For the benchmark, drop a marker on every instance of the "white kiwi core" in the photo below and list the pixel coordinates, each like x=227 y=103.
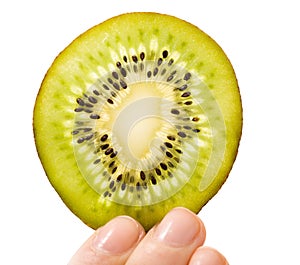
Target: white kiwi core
x=141 y=135
x=137 y=122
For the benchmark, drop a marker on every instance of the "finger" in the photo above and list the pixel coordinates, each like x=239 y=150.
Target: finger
x=207 y=256
x=172 y=241
x=111 y=244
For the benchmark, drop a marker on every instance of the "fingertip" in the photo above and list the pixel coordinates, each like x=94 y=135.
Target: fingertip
x=207 y=256
x=180 y=227
x=111 y=243
x=118 y=236
x=173 y=240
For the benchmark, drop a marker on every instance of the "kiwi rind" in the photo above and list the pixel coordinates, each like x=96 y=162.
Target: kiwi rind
x=54 y=143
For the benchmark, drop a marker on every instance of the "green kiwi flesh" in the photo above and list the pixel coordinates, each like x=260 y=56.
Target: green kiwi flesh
x=138 y=115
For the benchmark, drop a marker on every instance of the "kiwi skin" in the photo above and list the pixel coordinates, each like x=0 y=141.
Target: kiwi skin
x=62 y=170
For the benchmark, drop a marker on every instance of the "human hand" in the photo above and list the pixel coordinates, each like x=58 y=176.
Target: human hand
x=177 y=240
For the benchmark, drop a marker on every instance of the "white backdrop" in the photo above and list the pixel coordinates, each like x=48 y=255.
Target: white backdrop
x=254 y=219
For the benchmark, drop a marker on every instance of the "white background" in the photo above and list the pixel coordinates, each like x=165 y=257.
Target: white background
x=254 y=219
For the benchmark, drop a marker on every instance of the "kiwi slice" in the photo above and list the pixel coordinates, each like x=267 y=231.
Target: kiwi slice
x=138 y=115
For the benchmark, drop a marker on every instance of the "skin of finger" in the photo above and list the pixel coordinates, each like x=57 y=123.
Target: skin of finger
x=151 y=251
x=88 y=255
x=207 y=256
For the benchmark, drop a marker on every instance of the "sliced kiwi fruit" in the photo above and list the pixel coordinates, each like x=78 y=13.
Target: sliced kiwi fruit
x=138 y=115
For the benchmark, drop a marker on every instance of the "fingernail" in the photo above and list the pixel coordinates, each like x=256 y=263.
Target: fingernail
x=118 y=236
x=179 y=228
x=208 y=256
